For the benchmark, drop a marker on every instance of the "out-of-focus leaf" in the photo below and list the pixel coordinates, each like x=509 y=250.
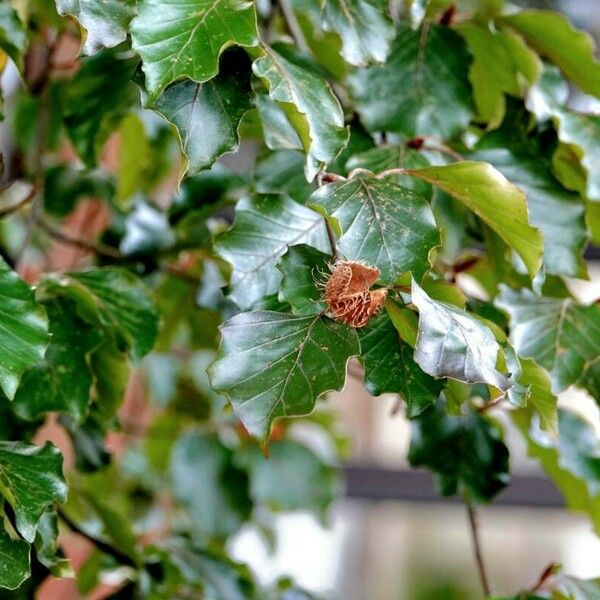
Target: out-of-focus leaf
x=280 y=172
x=13 y=37
x=276 y=365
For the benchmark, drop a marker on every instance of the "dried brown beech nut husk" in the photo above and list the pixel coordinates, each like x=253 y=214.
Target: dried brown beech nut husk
x=348 y=294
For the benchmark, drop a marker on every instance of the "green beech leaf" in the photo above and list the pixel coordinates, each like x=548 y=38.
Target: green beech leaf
x=14 y=561
x=13 y=38
x=97 y=98
x=502 y=64
x=570 y=460
x=380 y=159
x=279 y=482
x=114 y=299
x=559 y=334
x=47 y=550
x=280 y=172
x=310 y=106
x=552 y=35
x=556 y=212
x=465 y=452
x=105 y=21
x=582 y=133
x=24 y=331
x=365 y=31
x=62 y=381
x=390 y=367
x=31 y=481
x=422 y=89
x=541 y=397
x=453 y=343
x=263 y=229
x=273 y=365
x=213 y=489
x=497 y=201
x=278 y=132
x=178 y=40
x=207 y=115
x=381 y=223
x=303 y=268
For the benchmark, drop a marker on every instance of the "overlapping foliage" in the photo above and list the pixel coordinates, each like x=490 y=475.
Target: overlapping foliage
x=436 y=147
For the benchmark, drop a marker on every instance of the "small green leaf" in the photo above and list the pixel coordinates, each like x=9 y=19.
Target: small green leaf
x=541 y=397
x=559 y=334
x=273 y=365
x=453 y=343
x=390 y=367
x=365 y=31
x=303 y=268
x=310 y=106
x=13 y=37
x=422 y=89
x=207 y=115
x=498 y=202
x=177 y=40
x=24 y=331
x=31 y=481
x=263 y=229
x=106 y=21
x=280 y=172
x=465 y=452
x=551 y=34
x=14 y=561
x=47 y=550
x=381 y=223
x=213 y=489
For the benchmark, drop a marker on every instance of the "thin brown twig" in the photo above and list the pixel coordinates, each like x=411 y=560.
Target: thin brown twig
x=293 y=26
x=9 y=210
x=483 y=578
x=331 y=238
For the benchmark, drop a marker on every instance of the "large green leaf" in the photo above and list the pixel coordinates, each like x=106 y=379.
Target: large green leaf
x=556 y=212
x=13 y=38
x=502 y=64
x=498 y=202
x=381 y=223
x=559 y=334
x=14 y=561
x=96 y=100
x=263 y=229
x=280 y=172
x=310 y=106
x=23 y=331
x=106 y=21
x=554 y=37
x=62 y=381
x=465 y=452
x=453 y=343
x=390 y=367
x=207 y=115
x=422 y=89
x=364 y=29
x=213 y=489
x=582 y=133
x=178 y=39
x=31 y=481
x=276 y=365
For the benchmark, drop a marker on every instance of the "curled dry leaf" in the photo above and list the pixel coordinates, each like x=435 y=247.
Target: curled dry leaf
x=348 y=295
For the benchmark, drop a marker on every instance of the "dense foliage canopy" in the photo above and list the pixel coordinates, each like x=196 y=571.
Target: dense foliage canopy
x=412 y=189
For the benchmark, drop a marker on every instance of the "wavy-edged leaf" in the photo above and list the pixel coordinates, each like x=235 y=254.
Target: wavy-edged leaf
x=365 y=31
x=582 y=133
x=207 y=115
x=422 y=89
x=390 y=367
x=14 y=561
x=551 y=34
x=184 y=38
x=494 y=199
x=105 y=21
x=465 y=452
x=559 y=334
x=62 y=381
x=23 y=331
x=273 y=365
x=556 y=212
x=453 y=343
x=310 y=106
x=31 y=481
x=381 y=223
x=263 y=229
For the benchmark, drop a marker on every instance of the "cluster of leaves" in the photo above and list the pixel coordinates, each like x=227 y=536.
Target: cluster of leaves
x=438 y=148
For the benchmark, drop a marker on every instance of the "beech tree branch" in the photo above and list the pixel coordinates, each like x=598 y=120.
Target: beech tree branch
x=483 y=578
